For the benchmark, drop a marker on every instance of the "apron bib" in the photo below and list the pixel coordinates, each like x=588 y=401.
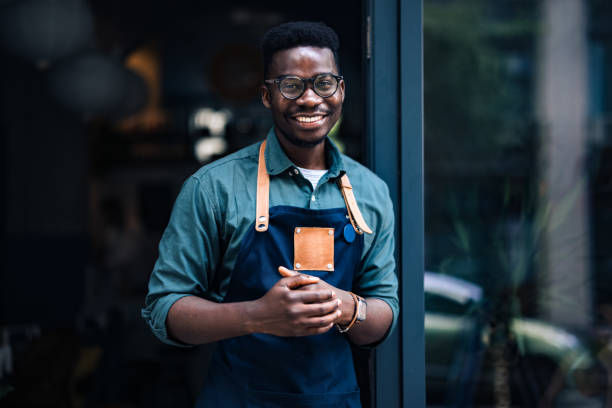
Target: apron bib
x=261 y=370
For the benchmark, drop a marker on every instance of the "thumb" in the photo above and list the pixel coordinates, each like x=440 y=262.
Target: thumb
x=295 y=281
x=286 y=272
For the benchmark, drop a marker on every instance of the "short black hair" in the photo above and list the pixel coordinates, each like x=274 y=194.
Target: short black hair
x=298 y=34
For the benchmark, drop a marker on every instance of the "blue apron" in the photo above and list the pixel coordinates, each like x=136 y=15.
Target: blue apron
x=262 y=370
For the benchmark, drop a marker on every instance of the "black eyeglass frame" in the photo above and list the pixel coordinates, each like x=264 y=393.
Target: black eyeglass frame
x=312 y=80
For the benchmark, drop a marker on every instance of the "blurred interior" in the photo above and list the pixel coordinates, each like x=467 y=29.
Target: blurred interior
x=107 y=107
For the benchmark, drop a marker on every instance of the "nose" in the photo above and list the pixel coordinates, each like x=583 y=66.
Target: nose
x=309 y=97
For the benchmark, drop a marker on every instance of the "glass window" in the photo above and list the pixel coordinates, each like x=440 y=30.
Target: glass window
x=518 y=200
x=441 y=304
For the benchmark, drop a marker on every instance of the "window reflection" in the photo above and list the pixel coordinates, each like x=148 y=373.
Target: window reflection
x=517 y=104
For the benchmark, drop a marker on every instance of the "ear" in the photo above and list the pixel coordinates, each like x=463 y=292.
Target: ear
x=342 y=89
x=265 y=96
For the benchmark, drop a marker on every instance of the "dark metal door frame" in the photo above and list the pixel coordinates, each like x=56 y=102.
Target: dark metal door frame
x=393 y=66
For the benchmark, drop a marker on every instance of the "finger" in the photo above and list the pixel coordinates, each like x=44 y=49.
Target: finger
x=302 y=312
x=311 y=331
x=322 y=309
x=286 y=272
x=322 y=321
x=299 y=280
x=304 y=296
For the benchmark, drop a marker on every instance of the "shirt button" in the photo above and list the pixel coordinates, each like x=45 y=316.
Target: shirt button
x=312 y=198
x=295 y=171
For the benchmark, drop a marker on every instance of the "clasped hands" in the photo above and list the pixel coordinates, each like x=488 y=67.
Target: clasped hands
x=301 y=305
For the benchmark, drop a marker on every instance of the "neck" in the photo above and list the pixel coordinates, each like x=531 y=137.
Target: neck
x=307 y=157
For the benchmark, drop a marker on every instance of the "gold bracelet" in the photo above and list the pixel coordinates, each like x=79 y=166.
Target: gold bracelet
x=347 y=328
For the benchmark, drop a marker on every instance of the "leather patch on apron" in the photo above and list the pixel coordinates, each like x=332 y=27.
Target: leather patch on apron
x=313 y=249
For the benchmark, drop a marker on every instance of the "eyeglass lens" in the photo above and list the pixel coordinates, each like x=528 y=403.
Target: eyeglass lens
x=324 y=85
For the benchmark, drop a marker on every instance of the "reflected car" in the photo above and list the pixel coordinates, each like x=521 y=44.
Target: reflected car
x=544 y=363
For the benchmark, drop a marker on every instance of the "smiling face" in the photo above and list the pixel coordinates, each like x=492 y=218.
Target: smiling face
x=304 y=121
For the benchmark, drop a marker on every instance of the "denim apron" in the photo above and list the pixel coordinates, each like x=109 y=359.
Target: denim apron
x=262 y=370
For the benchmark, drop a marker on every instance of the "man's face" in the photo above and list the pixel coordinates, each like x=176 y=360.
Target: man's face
x=304 y=121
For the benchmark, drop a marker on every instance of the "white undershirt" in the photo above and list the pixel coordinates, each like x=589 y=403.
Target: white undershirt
x=312 y=175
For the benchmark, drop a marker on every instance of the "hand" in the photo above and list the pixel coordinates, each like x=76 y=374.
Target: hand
x=380 y=315
x=347 y=306
x=284 y=311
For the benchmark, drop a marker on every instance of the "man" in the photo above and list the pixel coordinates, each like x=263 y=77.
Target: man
x=268 y=252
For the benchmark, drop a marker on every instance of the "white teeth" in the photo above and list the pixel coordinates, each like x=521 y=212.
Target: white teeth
x=308 y=119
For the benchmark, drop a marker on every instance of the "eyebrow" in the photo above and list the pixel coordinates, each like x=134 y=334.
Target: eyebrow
x=301 y=76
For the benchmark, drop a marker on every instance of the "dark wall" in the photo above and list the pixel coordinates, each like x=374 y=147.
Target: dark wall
x=44 y=210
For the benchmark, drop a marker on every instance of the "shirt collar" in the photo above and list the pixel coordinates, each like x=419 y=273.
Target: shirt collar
x=277 y=161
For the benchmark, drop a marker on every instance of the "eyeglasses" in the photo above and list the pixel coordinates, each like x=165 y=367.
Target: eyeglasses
x=292 y=87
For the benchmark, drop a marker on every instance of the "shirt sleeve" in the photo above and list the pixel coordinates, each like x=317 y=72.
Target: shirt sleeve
x=188 y=252
x=377 y=277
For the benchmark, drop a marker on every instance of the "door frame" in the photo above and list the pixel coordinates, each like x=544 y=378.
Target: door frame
x=393 y=77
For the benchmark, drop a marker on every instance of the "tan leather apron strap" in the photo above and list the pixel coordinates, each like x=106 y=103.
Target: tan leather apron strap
x=263 y=192
x=263 y=197
x=351 y=204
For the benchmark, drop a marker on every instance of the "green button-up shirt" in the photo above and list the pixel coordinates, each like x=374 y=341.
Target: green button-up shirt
x=216 y=208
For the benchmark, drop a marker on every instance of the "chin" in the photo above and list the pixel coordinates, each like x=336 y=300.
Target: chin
x=304 y=141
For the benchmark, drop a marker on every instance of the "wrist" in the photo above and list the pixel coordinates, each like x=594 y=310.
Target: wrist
x=347 y=307
x=354 y=316
x=250 y=321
